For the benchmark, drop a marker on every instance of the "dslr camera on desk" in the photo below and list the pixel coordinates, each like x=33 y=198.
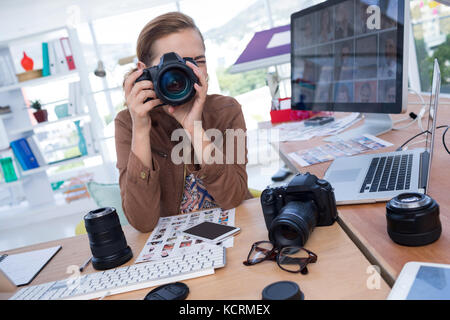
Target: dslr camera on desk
x=292 y=212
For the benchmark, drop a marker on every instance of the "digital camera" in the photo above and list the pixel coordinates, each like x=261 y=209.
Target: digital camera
x=173 y=80
x=292 y=212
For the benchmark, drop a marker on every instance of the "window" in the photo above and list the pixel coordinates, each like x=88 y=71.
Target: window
x=116 y=37
x=282 y=9
x=431 y=29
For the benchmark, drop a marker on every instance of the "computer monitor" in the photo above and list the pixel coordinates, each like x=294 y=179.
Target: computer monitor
x=351 y=56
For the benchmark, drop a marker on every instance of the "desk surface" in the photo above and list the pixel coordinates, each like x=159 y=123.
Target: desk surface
x=340 y=272
x=366 y=224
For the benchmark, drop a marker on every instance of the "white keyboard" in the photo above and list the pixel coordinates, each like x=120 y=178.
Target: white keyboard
x=124 y=279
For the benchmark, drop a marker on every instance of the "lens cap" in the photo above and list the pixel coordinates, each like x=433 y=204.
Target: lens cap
x=170 y=291
x=283 y=290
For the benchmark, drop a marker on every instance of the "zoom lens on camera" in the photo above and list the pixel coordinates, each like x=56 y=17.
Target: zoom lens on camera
x=173 y=80
x=106 y=239
x=292 y=212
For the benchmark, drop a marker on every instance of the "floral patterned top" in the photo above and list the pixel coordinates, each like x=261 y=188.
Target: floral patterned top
x=195 y=196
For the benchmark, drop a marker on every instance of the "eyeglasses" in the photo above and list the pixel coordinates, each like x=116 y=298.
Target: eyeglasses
x=291 y=259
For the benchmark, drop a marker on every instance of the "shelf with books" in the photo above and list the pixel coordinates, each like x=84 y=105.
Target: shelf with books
x=5 y=116
x=59 y=163
x=10 y=184
x=58 y=54
x=47 y=123
x=69 y=75
x=56 y=175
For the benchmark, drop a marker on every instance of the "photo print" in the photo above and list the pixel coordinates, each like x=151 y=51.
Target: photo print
x=366 y=91
x=167 y=241
x=344 y=19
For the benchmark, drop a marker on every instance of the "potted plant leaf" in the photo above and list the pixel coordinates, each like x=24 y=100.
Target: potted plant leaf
x=41 y=115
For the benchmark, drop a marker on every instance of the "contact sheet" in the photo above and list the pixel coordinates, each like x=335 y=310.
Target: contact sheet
x=167 y=240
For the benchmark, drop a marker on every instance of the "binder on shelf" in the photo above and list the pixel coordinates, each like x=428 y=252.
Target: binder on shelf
x=4 y=143
x=24 y=155
x=75 y=99
x=6 y=78
x=61 y=62
x=11 y=70
x=89 y=139
x=67 y=50
x=45 y=60
x=34 y=146
x=9 y=173
x=71 y=100
x=3 y=73
x=52 y=58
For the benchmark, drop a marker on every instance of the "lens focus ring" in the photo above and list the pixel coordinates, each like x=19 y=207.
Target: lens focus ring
x=106 y=239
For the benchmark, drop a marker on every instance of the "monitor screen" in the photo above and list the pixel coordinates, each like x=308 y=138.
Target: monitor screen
x=347 y=55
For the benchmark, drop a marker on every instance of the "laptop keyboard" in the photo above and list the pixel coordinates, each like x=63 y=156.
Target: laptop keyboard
x=388 y=174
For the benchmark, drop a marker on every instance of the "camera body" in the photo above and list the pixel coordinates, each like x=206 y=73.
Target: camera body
x=292 y=212
x=173 y=80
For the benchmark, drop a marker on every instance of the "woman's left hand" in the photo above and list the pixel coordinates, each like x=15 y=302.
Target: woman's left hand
x=186 y=114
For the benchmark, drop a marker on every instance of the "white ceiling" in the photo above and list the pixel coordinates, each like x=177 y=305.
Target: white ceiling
x=23 y=17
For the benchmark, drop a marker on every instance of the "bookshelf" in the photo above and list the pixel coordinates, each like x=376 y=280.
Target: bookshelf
x=71 y=75
x=35 y=184
x=64 y=162
x=48 y=123
x=11 y=184
x=6 y=116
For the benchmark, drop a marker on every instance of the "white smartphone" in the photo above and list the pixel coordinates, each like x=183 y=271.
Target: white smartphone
x=211 y=232
x=422 y=281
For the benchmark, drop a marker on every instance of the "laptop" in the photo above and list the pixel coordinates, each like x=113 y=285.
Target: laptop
x=380 y=177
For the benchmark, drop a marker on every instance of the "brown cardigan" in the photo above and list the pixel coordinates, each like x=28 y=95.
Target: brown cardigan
x=150 y=193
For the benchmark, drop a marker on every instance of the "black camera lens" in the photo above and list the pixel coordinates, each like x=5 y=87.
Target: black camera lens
x=413 y=219
x=106 y=239
x=294 y=224
x=288 y=232
x=173 y=80
x=174 y=84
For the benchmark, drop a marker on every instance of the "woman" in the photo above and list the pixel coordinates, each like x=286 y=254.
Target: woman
x=326 y=33
x=151 y=184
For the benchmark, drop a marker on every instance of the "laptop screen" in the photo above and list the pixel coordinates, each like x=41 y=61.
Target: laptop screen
x=432 y=115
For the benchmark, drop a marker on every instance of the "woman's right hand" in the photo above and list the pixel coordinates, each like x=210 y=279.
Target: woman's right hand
x=135 y=95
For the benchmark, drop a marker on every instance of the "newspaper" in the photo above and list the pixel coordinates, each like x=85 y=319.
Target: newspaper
x=343 y=148
x=166 y=240
x=297 y=131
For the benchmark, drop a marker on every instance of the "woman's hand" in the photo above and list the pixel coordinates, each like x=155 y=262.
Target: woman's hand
x=191 y=111
x=135 y=95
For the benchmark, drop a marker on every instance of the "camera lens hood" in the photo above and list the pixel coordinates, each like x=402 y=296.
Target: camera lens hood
x=413 y=219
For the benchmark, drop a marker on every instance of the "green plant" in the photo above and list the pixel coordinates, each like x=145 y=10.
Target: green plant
x=36 y=105
x=442 y=54
x=239 y=83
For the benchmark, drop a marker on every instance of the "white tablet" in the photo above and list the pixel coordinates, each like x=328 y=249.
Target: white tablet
x=422 y=281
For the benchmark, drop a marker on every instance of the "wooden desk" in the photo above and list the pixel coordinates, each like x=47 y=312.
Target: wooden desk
x=366 y=224
x=340 y=272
